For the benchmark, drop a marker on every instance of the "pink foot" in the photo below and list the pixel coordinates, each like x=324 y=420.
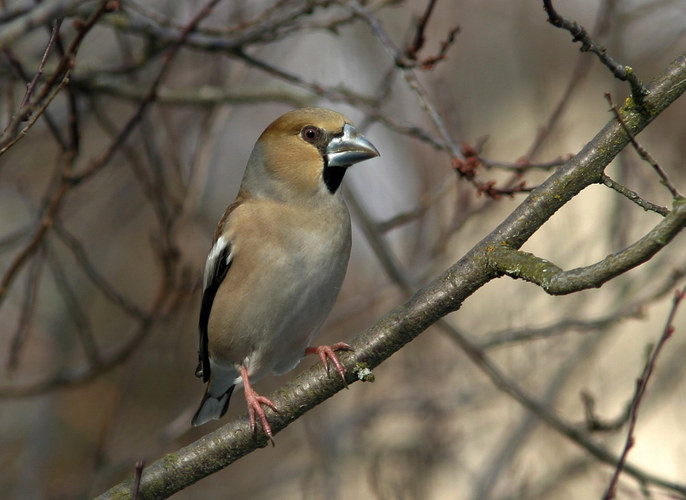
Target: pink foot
x=255 y=402
x=328 y=353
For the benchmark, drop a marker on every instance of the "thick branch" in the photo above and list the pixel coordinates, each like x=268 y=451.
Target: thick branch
x=442 y=296
x=556 y=281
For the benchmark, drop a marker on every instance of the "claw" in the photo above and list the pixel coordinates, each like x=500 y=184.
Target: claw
x=255 y=402
x=328 y=353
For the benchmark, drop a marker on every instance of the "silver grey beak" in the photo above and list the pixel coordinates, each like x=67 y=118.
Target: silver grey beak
x=350 y=148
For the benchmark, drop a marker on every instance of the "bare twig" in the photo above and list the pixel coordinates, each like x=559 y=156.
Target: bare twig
x=54 y=200
x=579 y=34
x=24 y=77
x=10 y=141
x=641 y=385
x=75 y=310
x=28 y=307
x=81 y=257
x=578 y=75
x=633 y=196
x=410 y=78
x=419 y=38
x=458 y=156
x=645 y=155
x=56 y=81
x=37 y=16
x=32 y=85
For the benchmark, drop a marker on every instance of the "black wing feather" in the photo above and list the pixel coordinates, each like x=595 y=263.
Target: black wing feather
x=212 y=282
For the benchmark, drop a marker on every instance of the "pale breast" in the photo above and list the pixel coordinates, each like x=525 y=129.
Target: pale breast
x=289 y=264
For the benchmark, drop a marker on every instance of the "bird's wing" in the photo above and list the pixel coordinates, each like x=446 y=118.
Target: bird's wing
x=216 y=267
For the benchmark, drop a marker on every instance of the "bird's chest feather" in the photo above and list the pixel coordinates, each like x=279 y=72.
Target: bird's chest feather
x=298 y=261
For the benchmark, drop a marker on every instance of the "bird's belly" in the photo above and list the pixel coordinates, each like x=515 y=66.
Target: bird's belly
x=271 y=334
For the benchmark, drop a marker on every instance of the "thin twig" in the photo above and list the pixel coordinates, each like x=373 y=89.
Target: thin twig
x=73 y=121
x=27 y=310
x=24 y=77
x=419 y=38
x=34 y=117
x=642 y=152
x=410 y=78
x=32 y=85
x=75 y=309
x=641 y=385
x=56 y=81
x=82 y=259
x=579 y=74
x=579 y=34
x=412 y=52
x=633 y=196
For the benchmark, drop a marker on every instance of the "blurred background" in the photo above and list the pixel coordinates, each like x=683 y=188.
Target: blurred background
x=109 y=202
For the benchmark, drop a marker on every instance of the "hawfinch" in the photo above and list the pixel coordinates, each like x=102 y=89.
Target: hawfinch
x=279 y=256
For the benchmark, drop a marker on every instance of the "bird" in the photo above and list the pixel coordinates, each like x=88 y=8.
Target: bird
x=278 y=259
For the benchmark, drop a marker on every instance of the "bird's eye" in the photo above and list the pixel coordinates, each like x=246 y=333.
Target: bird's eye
x=311 y=134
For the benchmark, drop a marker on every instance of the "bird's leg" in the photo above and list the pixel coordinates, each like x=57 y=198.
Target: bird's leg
x=328 y=352
x=255 y=402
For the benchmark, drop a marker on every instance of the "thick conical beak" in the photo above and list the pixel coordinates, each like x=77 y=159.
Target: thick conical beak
x=350 y=148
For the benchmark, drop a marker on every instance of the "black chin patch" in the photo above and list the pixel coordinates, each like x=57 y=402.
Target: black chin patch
x=333 y=176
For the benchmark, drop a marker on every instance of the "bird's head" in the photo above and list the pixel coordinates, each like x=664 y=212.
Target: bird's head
x=305 y=152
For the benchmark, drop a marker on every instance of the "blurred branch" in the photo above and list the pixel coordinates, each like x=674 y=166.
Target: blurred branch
x=464 y=160
x=549 y=417
x=53 y=84
x=412 y=52
x=76 y=312
x=81 y=257
x=149 y=98
x=272 y=24
x=53 y=199
x=628 y=311
x=31 y=87
x=28 y=307
x=197 y=96
x=342 y=94
x=11 y=136
x=442 y=296
x=37 y=16
x=106 y=361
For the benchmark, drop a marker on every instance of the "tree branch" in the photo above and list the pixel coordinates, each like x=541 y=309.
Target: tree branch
x=641 y=385
x=556 y=281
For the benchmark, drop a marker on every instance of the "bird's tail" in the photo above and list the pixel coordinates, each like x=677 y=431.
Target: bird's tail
x=212 y=406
